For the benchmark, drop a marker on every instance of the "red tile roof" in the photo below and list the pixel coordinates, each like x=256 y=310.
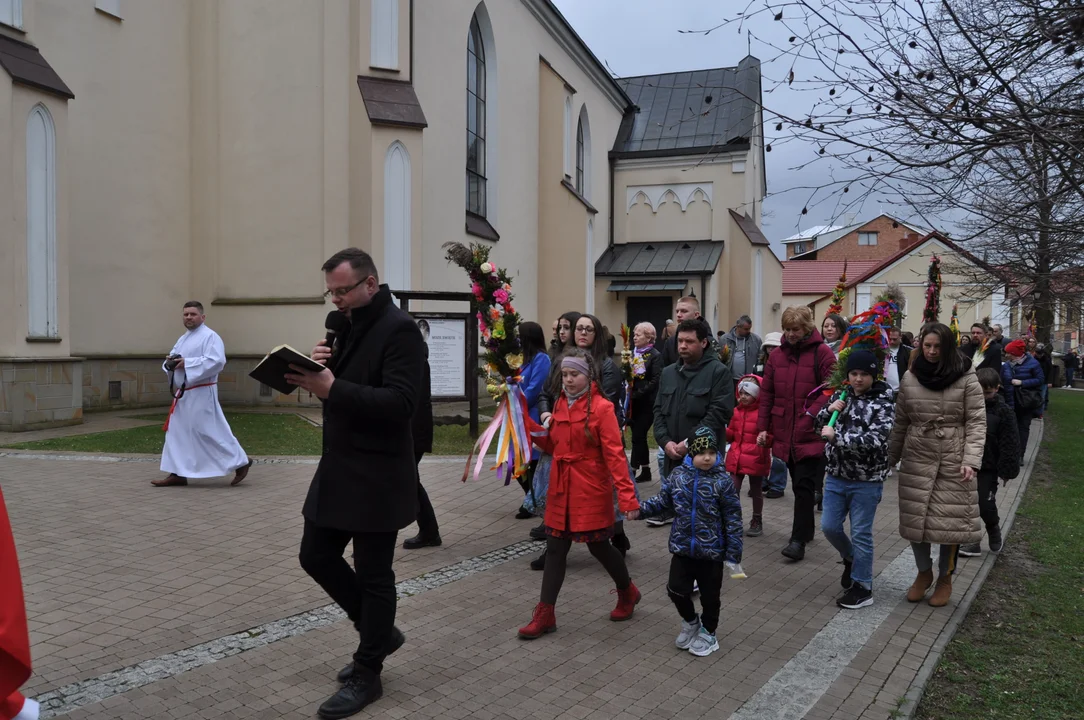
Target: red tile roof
x=809 y=277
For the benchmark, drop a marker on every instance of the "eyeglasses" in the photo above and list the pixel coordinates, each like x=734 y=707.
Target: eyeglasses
x=585 y=330
x=343 y=292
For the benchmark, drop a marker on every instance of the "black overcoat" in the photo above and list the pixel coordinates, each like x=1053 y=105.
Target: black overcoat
x=366 y=480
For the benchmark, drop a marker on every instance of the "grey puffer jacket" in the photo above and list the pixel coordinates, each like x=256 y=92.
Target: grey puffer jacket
x=937 y=434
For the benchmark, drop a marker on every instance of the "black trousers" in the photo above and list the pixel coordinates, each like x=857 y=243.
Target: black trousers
x=427 y=518
x=553 y=576
x=805 y=476
x=366 y=593
x=988 y=501
x=1023 y=425
x=642 y=417
x=708 y=575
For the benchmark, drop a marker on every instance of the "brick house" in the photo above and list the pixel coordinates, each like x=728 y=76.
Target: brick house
x=876 y=239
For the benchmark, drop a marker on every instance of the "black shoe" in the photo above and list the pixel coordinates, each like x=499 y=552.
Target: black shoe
x=394 y=643
x=645 y=474
x=539 y=533
x=846 y=581
x=621 y=542
x=361 y=689
x=818 y=498
x=794 y=550
x=970 y=550
x=995 y=540
x=857 y=597
x=539 y=563
x=523 y=514
x=773 y=494
x=420 y=541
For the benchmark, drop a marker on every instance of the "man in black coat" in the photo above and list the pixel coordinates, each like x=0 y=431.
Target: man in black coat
x=365 y=489
x=421 y=427
x=992 y=358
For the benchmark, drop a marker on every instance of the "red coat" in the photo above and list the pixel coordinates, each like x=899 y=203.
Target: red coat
x=583 y=475
x=745 y=457
x=14 y=638
x=788 y=402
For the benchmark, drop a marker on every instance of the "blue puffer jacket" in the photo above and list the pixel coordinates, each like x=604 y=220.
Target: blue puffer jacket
x=1028 y=372
x=707 y=512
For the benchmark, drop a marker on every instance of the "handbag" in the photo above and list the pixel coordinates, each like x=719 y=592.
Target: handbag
x=1027 y=398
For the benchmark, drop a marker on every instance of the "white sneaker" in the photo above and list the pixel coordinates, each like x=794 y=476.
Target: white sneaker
x=703 y=644
x=689 y=631
x=656 y=522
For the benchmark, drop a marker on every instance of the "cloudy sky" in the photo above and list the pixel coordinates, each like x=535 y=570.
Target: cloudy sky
x=640 y=37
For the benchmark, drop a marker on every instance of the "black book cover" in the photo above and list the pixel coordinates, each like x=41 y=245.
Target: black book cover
x=271 y=371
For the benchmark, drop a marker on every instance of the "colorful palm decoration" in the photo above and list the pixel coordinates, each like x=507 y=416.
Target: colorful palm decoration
x=933 y=291
x=839 y=294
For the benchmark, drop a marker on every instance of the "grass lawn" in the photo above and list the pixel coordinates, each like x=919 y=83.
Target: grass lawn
x=258 y=433
x=1020 y=651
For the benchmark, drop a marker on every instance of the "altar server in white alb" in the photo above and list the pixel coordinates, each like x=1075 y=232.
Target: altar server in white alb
x=199 y=442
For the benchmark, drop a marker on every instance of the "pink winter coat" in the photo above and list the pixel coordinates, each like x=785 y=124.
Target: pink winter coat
x=788 y=402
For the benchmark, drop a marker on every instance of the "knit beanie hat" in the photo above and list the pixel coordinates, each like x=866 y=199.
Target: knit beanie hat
x=862 y=360
x=750 y=386
x=703 y=440
x=1016 y=348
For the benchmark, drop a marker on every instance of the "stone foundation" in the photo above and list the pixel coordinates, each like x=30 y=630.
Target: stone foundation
x=38 y=393
x=142 y=383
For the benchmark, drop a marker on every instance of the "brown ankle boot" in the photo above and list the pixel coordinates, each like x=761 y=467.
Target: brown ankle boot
x=942 y=592
x=919 y=587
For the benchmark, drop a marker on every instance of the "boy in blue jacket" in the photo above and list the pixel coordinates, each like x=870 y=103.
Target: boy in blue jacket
x=707 y=532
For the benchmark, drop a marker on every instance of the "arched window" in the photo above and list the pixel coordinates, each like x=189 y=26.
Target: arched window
x=41 y=224
x=579 y=157
x=583 y=154
x=476 y=120
x=397 y=217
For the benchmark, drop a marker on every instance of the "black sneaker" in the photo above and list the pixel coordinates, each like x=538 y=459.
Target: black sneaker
x=971 y=550
x=773 y=494
x=856 y=597
x=818 y=498
x=794 y=550
x=539 y=532
x=846 y=581
x=996 y=543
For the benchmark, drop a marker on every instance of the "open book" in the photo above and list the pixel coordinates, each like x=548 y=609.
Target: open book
x=272 y=369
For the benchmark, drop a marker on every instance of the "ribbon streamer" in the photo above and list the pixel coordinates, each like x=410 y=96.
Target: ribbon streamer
x=509 y=428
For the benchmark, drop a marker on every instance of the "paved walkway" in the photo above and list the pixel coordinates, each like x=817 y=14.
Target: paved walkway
x=189 y=603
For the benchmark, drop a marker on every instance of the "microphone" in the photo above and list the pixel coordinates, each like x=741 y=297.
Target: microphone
x=336 y=325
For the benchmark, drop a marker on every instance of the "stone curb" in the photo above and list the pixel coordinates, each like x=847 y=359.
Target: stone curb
x=914 y=693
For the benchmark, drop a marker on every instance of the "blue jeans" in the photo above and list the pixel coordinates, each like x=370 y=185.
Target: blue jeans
x=777 y=480
x=859 y=500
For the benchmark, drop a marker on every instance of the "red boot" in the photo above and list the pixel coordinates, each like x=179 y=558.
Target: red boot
x=542 y=622
x=626 y=602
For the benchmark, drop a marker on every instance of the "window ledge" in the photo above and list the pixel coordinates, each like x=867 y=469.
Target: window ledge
x=572 y=189
x=109 y=15
x=13 y=28
x=39 y=339
x=480 y=227
x=377 y=68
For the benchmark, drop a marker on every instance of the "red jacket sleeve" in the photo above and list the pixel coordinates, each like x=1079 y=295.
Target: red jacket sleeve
x=14 y=636
x=539 y=435
x=613 y=453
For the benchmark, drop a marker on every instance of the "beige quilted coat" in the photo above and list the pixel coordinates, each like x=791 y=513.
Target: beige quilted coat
x=935 y=435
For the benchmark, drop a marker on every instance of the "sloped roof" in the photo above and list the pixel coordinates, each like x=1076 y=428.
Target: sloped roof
x=809 y=277
x=749 y=227
x=810 y=233
x=687 y=113
x=674 y=257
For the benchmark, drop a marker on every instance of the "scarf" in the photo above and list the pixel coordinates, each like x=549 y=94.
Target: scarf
x=931 y=376
x=640 y=351
x=573 y=398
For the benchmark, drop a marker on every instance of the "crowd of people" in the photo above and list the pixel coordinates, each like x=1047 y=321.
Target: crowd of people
x=726 y=411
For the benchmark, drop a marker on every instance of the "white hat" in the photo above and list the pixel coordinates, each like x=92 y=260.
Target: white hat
x=773 y=339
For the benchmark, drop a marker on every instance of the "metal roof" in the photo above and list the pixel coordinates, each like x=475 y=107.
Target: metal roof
x=812 y=277
x=644 y=285
x=689 y=112
x=673 y=257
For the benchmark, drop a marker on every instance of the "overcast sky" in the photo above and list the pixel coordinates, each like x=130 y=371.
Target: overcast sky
x=640 y=37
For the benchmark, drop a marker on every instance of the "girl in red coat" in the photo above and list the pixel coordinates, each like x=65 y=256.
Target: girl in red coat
x=588 y=462
x=14 y=638
x=746 y=456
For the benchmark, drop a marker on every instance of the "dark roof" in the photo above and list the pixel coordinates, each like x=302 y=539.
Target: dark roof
x=646 y=285
x=391 y=102
x=692 y=112
x=673 y=257
x=27 y=67
x=749 y=227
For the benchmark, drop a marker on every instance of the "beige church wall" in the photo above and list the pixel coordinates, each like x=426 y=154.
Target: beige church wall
x=15 y=323
x=127 y=148
x=514 y=177
x=771 y=310
x=640 y=224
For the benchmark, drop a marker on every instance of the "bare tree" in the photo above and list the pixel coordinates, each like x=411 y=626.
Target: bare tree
x=968 y=112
